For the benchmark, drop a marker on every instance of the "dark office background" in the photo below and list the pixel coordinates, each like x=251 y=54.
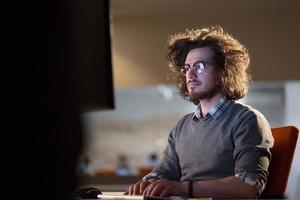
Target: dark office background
x=47 y=58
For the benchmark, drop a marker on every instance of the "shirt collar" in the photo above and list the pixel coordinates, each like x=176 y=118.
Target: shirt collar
x=215 y=111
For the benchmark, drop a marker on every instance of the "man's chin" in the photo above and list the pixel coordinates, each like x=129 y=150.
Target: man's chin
x=195 y=97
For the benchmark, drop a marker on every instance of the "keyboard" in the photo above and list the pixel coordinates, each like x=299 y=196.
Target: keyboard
x=131 y=197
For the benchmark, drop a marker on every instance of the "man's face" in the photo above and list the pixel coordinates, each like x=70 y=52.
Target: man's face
x=201 y=77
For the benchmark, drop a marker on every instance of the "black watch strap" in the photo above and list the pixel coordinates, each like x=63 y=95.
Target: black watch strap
x=190 y=188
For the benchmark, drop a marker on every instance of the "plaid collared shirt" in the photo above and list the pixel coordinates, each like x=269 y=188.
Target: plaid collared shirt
x=215 y=111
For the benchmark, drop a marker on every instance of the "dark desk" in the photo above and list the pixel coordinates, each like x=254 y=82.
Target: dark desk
x=109 y=183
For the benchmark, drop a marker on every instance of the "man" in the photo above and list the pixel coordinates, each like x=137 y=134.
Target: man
x=222 y=149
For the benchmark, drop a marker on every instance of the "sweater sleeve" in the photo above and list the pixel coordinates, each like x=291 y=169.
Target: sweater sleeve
x=252 y=140
x=168 y=166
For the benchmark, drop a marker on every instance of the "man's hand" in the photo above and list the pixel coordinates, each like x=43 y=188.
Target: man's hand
x=139 y=187
x=164 y=187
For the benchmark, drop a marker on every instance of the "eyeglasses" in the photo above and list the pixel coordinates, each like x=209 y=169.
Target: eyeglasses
x=198 y=66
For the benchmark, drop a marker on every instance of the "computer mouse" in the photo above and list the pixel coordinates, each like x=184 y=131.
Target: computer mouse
x=87 y=193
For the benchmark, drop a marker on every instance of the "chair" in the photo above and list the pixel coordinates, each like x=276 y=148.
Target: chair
x=285 y=140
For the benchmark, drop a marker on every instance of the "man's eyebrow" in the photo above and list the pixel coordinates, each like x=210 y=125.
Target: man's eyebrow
x=201 y=60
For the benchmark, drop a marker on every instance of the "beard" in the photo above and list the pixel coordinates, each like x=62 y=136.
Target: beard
x=197 y=96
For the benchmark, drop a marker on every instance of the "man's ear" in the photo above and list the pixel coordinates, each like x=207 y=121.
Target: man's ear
x=221 y=83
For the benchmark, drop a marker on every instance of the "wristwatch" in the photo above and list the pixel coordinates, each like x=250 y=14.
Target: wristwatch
x=152 y=175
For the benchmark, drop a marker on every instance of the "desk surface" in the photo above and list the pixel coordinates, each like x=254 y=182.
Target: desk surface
x=117 y=194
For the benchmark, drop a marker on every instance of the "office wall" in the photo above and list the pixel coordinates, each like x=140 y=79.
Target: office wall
x=292 y=116
x=269 y=29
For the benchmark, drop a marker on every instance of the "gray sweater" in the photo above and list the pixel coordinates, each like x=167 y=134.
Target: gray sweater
x=235 y=142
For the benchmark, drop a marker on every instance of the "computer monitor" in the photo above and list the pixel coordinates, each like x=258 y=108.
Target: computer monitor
x=93 y=55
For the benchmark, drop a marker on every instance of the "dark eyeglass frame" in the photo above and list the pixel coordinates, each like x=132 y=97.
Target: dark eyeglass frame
x=199 y=66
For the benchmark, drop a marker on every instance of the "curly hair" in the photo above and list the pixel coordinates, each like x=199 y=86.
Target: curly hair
x=231 y=59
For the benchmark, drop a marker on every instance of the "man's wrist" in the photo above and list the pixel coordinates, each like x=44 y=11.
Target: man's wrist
x=152 y=175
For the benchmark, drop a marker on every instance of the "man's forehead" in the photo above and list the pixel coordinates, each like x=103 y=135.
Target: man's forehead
x=200 y=53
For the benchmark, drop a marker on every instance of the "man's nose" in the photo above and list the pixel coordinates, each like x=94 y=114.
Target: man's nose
x=192 y=73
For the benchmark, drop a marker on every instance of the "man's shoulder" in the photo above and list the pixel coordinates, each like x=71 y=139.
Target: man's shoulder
x=248 y=113
x=184 y=121
x=187 y=116
x=244 y=108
